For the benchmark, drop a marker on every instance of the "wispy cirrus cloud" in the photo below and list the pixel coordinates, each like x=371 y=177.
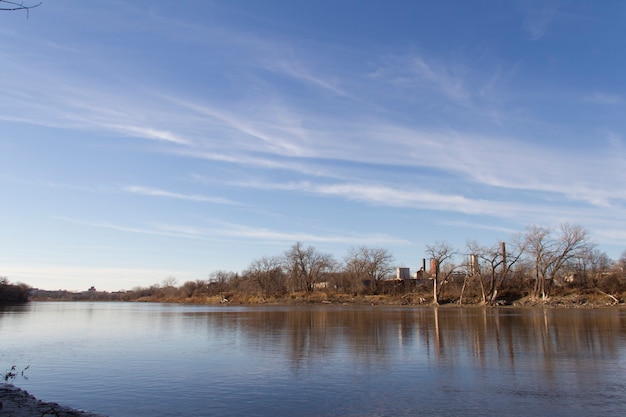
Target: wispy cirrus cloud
x=415 y=71
x=53 y=102
x=226 y=230
x=488 y=161
x=264 y=234
x=157 y=192
x=451 y=86
x=605 y=98
x=402 y=197
x=514 y=164
x=300 y=72
x=479 y=226
x=550 y=208
x=538 y=21
x=610 y=235
x=270 y=162
x=148 y=132
x=274 y=135
x=177 y=232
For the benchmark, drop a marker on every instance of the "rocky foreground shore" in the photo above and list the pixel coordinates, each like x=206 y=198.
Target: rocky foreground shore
x=15 y=402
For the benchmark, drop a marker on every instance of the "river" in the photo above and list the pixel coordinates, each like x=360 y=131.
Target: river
x=132 y=359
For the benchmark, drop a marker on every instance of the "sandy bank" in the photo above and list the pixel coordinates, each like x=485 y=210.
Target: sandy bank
x=15 y=402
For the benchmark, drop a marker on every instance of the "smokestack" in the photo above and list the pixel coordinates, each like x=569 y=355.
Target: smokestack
x=433 y=266
x=473 y=264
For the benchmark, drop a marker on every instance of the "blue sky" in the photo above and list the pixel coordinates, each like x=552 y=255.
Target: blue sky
x=147 y=139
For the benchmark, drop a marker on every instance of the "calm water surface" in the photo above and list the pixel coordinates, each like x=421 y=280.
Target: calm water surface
x=127 y=360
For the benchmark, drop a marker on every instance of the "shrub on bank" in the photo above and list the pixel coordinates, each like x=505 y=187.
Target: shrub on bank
x=13 y=293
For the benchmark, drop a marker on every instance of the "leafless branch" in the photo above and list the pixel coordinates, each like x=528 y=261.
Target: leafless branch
x=608 y=295
x=13 y=5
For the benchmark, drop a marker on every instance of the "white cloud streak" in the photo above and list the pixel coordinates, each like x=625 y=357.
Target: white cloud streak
x=451 y=86
x=276 y=138
x=407 y=197
x=156 y=192
x=176 y=232
x=538 y=21
x=299 y=72
x=246 y=232
x=148 y=133
x=605 y=98
x=238 y=231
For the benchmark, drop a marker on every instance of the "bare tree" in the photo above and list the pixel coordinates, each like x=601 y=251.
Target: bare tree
x=168 y=288
x=622 y=261
x=441 y=255
x=307 y=266
x=491 y=265
x=268 y=274
x=539 y=252
x=374 y=264
x=219 y=281
x=550 y=254
x=169 y=282
x=620 y=266
x=7 y=5
x=589 y=268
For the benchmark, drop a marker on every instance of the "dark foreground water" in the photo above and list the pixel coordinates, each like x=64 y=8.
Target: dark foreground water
x=171 y=360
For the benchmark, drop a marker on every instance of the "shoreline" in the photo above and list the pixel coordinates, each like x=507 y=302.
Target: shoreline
x=589 y=298
x=568 y=301
x=553 y=302
x=16 y=402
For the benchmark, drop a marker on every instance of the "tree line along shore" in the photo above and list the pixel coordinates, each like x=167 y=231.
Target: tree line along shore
x=541 y=266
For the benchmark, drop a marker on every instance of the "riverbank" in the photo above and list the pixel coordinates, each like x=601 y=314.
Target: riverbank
x=15 y=402
x=573 y=298
x=562 y=299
